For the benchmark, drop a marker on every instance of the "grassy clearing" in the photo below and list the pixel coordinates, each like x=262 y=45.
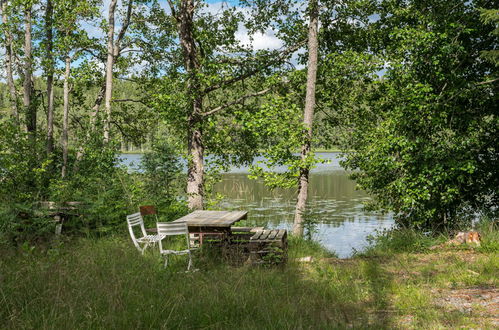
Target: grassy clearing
x=105 y=283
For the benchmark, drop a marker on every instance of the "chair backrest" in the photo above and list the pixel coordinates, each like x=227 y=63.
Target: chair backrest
x=147 y=210
x=135 y=220
x=172 y=229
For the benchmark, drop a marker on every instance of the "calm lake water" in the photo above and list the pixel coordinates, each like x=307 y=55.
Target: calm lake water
x=336 y=207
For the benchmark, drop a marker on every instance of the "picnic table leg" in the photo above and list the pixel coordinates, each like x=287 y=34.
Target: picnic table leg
x=58 y=226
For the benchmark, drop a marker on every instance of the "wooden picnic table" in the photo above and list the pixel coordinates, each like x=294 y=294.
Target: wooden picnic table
x=60 y=212
x=216 y=223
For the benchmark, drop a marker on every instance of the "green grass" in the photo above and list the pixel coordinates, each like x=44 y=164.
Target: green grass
x=106 y=283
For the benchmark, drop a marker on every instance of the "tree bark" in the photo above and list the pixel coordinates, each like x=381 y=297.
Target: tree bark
x=195 y=171
x=8 y=65
x=50 y=76
x=95 y=109
x=195 y=147
x=30 y=108
x=65 y=120
x=308 y=116
x=109 y=69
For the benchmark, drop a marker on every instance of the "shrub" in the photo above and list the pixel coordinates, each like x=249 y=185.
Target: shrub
x=105 y=191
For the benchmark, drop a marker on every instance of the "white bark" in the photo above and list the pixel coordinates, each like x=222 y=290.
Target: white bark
x=109 y=69
x=28 y=72
x=9 y=56
x=308 y=116
x=50 y=77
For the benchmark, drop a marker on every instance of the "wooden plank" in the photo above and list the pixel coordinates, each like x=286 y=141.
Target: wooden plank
x=213 y=218
x=234 y=216
x=281 y=234
x=264 y=236
x=201 y=214
x=241 y=229
x=256 y=236
x=273 y=234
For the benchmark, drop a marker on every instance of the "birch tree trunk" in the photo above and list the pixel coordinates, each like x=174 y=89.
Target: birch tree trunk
x=109 y=69
x=195 y=147
x=8 y=64
x=65 y=119
x=28 y=72
x=50 y=76
x=308 y=116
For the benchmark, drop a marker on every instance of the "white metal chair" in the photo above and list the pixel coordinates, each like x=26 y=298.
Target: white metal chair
x=146 y=240
x=172 y=229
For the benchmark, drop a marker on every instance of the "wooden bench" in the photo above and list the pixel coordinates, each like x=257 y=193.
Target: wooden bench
x=268 y=247
x=245 y=229
x=60 y=212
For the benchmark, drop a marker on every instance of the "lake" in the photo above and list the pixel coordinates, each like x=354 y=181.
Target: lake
x=336 y=208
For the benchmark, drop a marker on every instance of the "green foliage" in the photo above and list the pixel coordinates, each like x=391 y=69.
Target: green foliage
x=163 y=179
x=277 y=124
x=491 y=16
x=426 y=145
x=24 y=174
x=105 y=192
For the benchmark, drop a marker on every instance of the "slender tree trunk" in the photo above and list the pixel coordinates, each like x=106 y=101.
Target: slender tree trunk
x=308 y=116
x=95 y=109
x=30 y=108
x=109 y=70
x=8 y=65
x=50 y=77
x=195 y=170
x=65 y=120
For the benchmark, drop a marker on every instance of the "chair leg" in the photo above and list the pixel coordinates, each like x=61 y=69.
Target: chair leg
x=166 y=261
x=190 y=261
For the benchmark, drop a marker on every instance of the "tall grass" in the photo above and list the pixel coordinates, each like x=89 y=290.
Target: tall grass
x=106 y=283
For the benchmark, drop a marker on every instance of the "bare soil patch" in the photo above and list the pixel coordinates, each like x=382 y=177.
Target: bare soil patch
x=480 y=303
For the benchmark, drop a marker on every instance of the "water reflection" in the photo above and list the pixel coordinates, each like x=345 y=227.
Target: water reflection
x=335 y=206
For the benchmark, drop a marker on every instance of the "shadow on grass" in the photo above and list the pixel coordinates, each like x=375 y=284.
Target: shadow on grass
x=380 y=285
x=107 y=284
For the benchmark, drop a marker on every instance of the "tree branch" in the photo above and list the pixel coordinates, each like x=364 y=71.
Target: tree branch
x=254 y=71
x=122 y=131
x=487 y=82
x=172 y=8
x=91 y=52
x=131 y=50
x=129 y=100
x=238 y=101
x=123 y=29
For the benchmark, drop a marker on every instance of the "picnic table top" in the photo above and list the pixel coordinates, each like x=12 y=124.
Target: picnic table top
x=203 y=218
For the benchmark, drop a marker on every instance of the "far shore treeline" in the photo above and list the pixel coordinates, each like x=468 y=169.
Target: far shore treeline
x=406 y=90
